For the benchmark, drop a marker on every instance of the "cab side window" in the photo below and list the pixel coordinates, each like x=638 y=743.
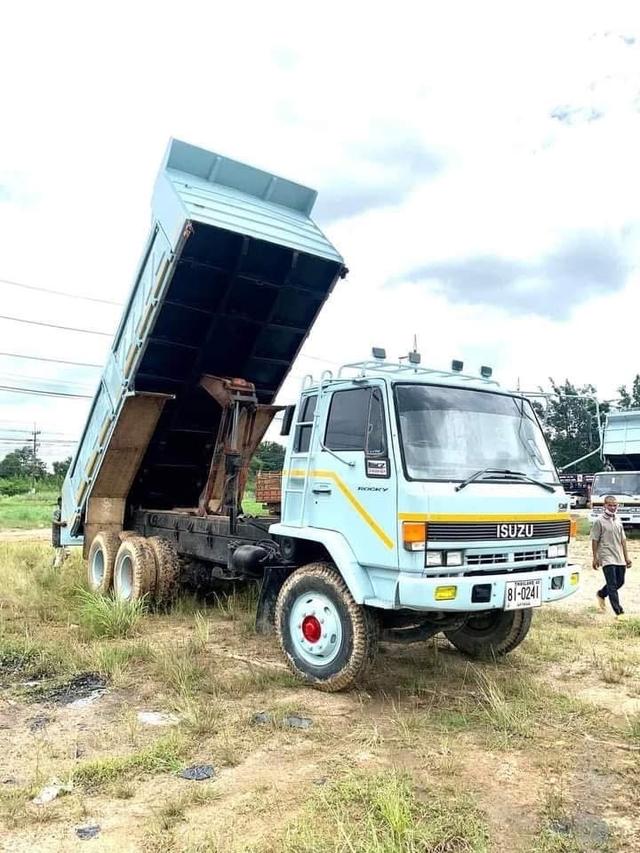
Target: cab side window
x=305 y=424
x=356 y=421
x=376 y=437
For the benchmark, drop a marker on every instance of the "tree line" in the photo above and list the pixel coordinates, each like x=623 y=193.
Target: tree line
x=21 y=469
x=569 y=419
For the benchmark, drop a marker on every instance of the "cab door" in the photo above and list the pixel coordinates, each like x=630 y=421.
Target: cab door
x=352 y=485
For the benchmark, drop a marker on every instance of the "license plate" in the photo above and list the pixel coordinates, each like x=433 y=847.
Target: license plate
x=520 y=594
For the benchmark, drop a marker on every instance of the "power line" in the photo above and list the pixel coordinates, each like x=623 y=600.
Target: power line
x=7 y=376
x=26 y=442
x=39 y=392
x=29 y=431
x=51 y=360
x=54 y=326
x=59 y=292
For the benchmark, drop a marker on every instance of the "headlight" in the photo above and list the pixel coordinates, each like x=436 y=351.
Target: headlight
x=434 y=558
x=557 y=551
x=454 y=558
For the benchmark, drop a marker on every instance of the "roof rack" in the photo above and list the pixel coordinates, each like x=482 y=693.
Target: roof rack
x=385 y=367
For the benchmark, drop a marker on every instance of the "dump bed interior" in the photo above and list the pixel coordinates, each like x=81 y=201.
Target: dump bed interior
x=622 y=440
x=233 y=276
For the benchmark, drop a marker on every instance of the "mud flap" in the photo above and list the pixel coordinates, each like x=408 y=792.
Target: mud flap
x=272 y=582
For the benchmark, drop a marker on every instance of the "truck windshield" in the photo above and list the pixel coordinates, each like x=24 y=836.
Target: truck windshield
x=451 y=433
x=616 y=484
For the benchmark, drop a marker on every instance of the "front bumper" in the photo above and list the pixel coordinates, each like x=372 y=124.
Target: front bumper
x=417 y=592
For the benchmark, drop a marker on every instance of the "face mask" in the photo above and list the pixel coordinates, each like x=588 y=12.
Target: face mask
x=610 y=513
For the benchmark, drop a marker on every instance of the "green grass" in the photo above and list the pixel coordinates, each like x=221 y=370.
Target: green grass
x=31 y=589
x=384 y=813
x=114 y=661
x=165 y=755
x=550 y=841
x=627 y=629
x=101 y=616
x=27 y=511
x=25 y=659
x=634 y=728
x=583 y=527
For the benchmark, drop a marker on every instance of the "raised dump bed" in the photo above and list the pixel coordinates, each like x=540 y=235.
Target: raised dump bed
x=232 y=277
x=622 y=440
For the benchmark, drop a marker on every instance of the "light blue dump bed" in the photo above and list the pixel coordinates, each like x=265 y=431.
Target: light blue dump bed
x=231 y=280
x=622 y=440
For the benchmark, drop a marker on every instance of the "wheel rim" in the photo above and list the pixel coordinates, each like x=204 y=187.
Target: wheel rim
x=315 y=629
x=125 y=577
x=97 y=568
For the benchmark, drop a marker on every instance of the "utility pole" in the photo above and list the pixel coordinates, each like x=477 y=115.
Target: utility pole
x=34 y=435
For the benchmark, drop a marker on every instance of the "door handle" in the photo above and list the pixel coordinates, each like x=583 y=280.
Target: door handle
x=321 y=489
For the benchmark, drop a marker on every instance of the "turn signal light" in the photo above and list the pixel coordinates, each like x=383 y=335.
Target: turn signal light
x=573 y=528
x=414 y=535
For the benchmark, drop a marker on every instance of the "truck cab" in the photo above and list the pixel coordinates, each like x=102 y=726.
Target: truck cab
x=434 y=495
x=625 y=487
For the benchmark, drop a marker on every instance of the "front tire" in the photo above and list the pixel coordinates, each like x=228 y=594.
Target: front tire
x=491 y=633
x=328 y=640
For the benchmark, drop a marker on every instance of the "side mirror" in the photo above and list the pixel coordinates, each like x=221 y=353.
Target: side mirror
x=287 y=420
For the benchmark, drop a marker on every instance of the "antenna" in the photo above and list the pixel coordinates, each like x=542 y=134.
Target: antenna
x=414 y=355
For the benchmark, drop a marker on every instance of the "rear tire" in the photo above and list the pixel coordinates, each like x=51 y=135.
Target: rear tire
x=134 y=570
x=328 y=640
x=167 y=570
x=491 y=633
x=101 y=561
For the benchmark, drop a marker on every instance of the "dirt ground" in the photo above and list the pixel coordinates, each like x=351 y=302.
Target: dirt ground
x=19 y=535
x=545 y=745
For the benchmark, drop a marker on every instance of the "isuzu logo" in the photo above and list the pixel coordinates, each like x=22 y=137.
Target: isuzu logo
x=514 y=531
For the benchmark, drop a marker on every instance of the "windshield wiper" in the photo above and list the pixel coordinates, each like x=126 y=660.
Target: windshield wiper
x=504 y=473
x=533 y=480
x=479 y=474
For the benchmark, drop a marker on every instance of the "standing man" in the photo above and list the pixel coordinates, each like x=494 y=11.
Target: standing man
x=57 y=524
x=609 y=545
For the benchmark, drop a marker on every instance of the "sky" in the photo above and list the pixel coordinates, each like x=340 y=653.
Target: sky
x=476 y=164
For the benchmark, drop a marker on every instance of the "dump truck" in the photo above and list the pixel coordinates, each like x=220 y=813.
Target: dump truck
x=621 y=452
x=413 y=501
x=578 y=489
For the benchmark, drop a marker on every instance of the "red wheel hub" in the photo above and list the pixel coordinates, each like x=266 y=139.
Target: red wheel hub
x=311 y=629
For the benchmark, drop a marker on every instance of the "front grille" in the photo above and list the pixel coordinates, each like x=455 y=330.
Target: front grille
x=525 y=556
x=504 y=531
x=492 y=559
x=486 y=559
